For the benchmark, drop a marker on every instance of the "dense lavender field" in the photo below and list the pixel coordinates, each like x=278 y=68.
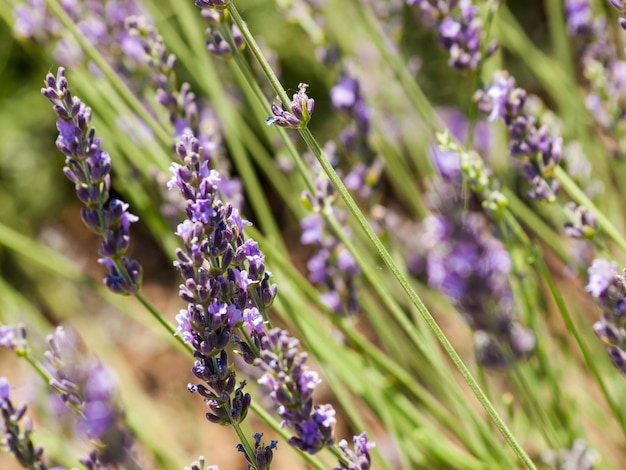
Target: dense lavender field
x=313 y=234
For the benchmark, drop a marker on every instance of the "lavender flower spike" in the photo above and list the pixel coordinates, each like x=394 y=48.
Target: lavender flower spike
x=359 y=458
x=15 y=437
x=301 y=110
x=89 y=168
x=609 y=288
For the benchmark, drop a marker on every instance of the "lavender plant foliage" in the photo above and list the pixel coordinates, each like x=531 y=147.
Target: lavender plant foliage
x=462 y=259
x=608 y=287
x=459 y=31
x=16 y=429
x=539 y=152
x=89 y=389
x=89 y=168
x=186 y=113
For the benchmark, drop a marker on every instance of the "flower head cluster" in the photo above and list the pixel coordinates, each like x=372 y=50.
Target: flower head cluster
x=609 y=288
x=89 y=168
x=101 y=22
x=332 y=267
x=225 y=281
x=263 y=454
x=359 y=458
x=539 y=152
x=16 y=436
x=366 y=167
x=299 y=114
x=291 y=386
x=468 y=264
x=89 y=388
x=227 y=287
x=222 y=34
x=459 y=31
x=186 y=114
x=604 y=72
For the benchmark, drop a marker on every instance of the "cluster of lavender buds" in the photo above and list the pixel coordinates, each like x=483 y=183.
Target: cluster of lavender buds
x=263 y=454
x=366 y=166
x=223 y=36
x=604 y=72
x=609 y=288
x=359 y=458
x=291 y=386
x=299 y=114
x=225 y=281
x=89 y=167
x=89 y=389
x=462 y=259
x=332 y=267
x=16 y=436
x=101 y=22
x=227 y=287
x=185 y=113
x=539 y=152
x=461 y=34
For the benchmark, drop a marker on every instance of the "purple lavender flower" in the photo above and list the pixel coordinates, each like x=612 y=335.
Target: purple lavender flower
x=213 y=4
x=101 y=22
x=301 y=109
x=16 y=436
x=89 y=167
x=539 y=152
x=89 y=389
x=462 y=259
x=579 y=18
x=263 y=454
x=332 y=267
x=291 y=386
x=359 y=458
x=604 y=72
x=460 y=34
x=609 y=288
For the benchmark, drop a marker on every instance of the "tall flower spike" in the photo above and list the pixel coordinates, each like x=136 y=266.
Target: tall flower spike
x=359 y=458
x=89 y=168
x=301 y=109
x=464 y=261
x=539 y=152
x=89 y=388
x=291 y=386
x=609 y=288
x=459 y=31
x=16 y=430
